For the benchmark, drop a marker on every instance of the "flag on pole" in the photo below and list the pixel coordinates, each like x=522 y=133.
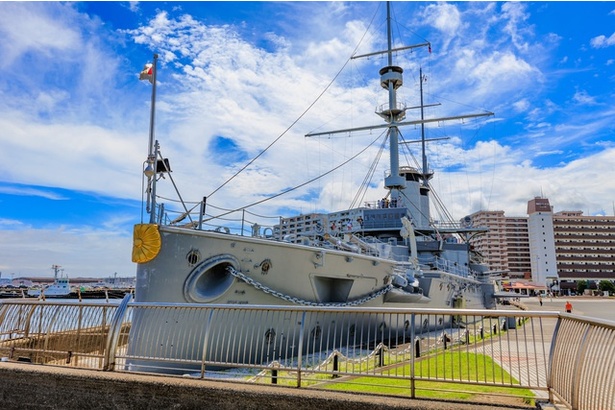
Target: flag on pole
x=147 y=73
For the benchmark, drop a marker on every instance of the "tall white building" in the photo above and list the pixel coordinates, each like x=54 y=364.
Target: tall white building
x=542 y=241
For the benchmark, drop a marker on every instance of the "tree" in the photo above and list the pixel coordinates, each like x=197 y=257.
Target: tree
x=581 y=286
x=606 y=285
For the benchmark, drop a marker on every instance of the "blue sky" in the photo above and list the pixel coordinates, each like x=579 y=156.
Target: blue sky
x=233 y=76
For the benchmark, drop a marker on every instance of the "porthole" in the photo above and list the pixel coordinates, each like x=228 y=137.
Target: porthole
x=193 y=257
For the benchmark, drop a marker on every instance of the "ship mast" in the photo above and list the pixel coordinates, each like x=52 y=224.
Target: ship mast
x=426 y=175
x=391 y=78
x=56 y=269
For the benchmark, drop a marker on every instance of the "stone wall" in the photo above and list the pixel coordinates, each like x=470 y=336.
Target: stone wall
x=29 y=386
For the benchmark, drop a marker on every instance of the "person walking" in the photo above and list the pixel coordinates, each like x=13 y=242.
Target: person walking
x=568 y=307
x=540 y=299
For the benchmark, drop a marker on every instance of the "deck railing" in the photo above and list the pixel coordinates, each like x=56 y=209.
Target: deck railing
x=516 y=354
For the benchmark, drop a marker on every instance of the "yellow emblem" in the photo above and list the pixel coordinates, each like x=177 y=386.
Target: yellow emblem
x=146 y=243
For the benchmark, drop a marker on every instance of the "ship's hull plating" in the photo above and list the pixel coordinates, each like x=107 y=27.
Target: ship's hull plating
x=191 y=267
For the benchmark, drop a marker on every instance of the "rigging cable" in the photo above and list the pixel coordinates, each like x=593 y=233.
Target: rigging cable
x=300 y=185
x=298 y=118
x=370 y=174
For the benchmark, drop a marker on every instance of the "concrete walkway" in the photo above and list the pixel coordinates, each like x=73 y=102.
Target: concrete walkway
x=524 y=353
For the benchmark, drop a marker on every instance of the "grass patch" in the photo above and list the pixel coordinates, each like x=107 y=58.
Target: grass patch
x=455 y=367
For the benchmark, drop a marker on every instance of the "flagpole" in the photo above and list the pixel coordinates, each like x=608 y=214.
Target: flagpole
x=152 y=148
x=150 y=151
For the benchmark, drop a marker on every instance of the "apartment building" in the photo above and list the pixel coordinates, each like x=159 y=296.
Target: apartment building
x=547 y=247
x=505 y=247
x=584 y=245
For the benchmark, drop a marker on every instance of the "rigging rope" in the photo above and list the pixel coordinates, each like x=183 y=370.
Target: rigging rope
x=300 y=185
x=370 y=174
x=298 y=118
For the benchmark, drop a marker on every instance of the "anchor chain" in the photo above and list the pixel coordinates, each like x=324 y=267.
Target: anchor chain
x=295 y=300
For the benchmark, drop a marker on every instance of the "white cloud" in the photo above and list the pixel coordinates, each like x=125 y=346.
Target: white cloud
x=602 y=41
x=133 y=6
x=27 y=191
x=521 y=105
x=582 y=97
x=445 y=17
x=27 y=28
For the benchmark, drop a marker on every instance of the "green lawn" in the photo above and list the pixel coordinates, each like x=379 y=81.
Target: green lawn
x=454 y=366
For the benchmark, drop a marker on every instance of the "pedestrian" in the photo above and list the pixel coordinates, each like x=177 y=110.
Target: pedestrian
x=540 y=299
x=568 y=307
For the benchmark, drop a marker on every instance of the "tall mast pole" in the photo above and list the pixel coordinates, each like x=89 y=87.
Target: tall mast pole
x=152 y=151
x=153 y=108
x=392 y=77
x=389 y=36
x=425 y=173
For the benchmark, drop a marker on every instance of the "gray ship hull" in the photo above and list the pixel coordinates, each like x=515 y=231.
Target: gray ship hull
x=195 y=267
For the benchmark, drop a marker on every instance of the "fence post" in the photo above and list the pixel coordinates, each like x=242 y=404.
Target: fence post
x=413 y=336
x=300 y=351
x=206 y=340
x=554 y=342
x=115 y=328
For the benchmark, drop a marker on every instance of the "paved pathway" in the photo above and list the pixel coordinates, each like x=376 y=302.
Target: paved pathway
x=524 y=352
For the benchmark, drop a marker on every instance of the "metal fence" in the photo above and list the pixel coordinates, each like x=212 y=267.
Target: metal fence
x=513 y=354
x=56 y=333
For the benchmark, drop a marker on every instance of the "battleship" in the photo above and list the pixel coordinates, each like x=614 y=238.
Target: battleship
x=387 y=253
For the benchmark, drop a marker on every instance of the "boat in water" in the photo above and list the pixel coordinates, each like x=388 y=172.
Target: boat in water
x=386 y=253
x=60 y=288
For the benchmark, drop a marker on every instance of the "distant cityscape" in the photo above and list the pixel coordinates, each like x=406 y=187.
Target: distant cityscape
x=553 y=249
x=29 y=281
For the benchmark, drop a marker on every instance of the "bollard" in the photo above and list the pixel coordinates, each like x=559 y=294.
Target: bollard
x=335 y=365
x=380 y=355
x=274 y=376
x=482 y=332
x=495 y=329
x=504 y=325
x=445 y=340
x=417 y=347
x=467 y=337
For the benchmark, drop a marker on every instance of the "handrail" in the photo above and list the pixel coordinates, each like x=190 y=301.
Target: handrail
x=571 y=366
x=115 y=327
